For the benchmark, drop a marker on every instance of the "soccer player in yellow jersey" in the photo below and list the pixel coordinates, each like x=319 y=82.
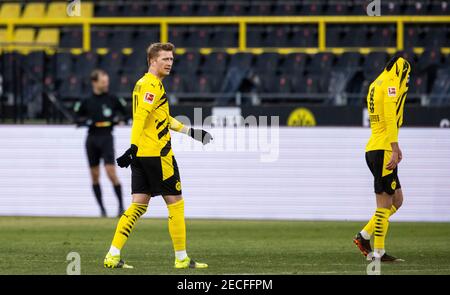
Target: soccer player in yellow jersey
x=154 y=170
x=385 y=102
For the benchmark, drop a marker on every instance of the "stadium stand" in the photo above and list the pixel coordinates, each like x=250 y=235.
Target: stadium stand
x=282 y=62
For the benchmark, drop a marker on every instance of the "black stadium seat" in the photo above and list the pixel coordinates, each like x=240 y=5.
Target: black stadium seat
x=266 y=63
x=321 y=63
x=99 y=37
x=105 y=9
x=121 y=38
x=224 y=37
x=111 y=62
x=215 y=63
x=348 y=60
x=174 y=84
x=71 y=87
x=71 y=37
x=64 y=65
x=134 y=9
x=373 y=63
x=187 y=63
x=85 y=63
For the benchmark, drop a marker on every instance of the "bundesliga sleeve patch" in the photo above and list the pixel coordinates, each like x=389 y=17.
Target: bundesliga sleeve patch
x=392 y=91
x=149 y=97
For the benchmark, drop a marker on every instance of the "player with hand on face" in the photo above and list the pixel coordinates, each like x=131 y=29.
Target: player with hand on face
x=385 y=103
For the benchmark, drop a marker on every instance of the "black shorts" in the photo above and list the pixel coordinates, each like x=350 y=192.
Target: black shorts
x=384 y=180
x=155 y=176
x=98 y=147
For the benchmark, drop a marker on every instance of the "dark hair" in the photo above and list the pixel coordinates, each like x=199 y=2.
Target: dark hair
x=96 y=74
x=392 y=62
x=154 y=49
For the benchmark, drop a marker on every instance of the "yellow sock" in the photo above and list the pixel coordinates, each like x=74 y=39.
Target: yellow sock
x=381 y=227
x=393 y=210
x=177 y=226
x=371 y=224
x=126 y=224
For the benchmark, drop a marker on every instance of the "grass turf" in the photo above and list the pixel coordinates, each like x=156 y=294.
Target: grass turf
x=39 y=245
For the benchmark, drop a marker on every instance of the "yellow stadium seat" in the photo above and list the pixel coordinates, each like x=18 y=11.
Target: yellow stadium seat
x=87 y=9
x=10 y=10
x=34 y=10
x=57 y=9
x=48 y=37
x=25 y=36
x=2 y=36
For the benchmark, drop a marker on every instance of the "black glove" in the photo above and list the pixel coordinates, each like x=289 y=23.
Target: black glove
x=200 y=135
x=128 y=157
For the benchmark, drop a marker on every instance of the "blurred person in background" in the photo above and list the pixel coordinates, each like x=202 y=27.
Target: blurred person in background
x=100 y=112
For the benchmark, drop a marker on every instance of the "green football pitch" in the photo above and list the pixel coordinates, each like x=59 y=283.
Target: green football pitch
x=38 y=245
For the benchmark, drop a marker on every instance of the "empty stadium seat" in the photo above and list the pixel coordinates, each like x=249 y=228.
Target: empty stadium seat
x=111 y=62
x=187 y=63
x=215 y=63
x=24 y=36
x=57 y=10
x=10 y=10
x=87 y=9
x=121 y=38
x=378 y=36
x=266 y=63
x=235 y=9
x=224 y=37
x=107 y=9
x=134 y=9
x=241 y=60
x=34 y=62
x=303 y=36
x=208 y=9
x=2 y=36
x=48 y=37
x=276 y=36
x=338 y=8
x=321 y=62
x=260 y=9
x=158 y=8
x=134 y=62
x=100 y=37
x=71 y=88
x=34 y=10
x=373 y=62
x=348 y=60
x=294 y=63
x=174 y=84
x=63 y=65
x=84 y=64
x=71 y=37
x=182 y=9
x=144 y=37
x=286 y=8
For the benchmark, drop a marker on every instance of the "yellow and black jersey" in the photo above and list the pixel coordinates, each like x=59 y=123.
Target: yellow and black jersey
x=151 y=118
x=385 y=102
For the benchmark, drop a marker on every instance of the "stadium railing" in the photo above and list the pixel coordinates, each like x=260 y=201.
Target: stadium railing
x=241 y=22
